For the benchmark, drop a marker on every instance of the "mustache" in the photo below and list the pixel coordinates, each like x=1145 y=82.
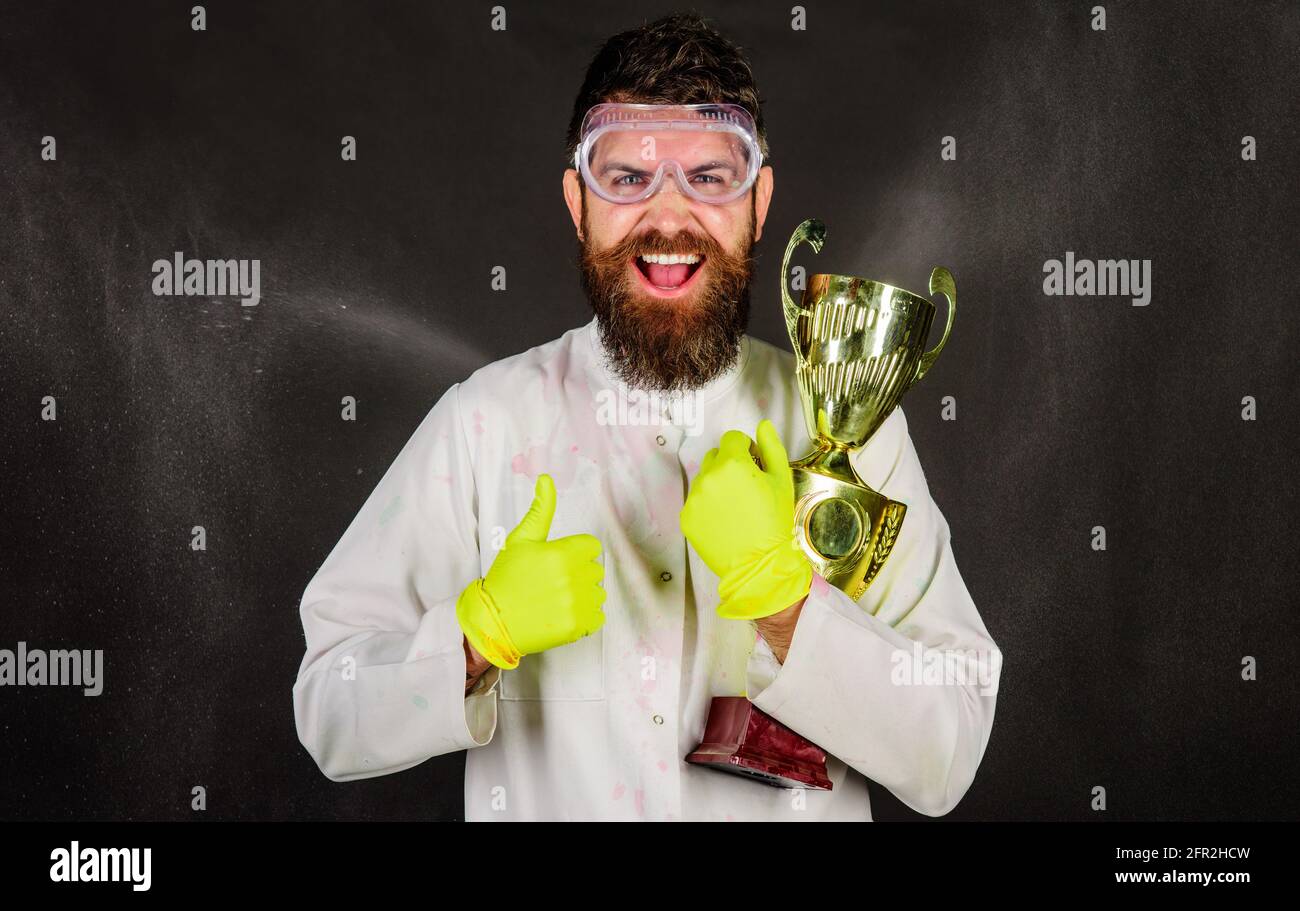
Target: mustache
x=655 y=241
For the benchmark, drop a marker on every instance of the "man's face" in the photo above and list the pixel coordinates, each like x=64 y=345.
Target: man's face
x=669 y=325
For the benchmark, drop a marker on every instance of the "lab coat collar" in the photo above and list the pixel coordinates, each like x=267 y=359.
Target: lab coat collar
x=714 y=389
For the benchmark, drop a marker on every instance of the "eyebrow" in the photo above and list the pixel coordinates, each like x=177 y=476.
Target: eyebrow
x=710 y=165
x=619 y=166
x=624 y=166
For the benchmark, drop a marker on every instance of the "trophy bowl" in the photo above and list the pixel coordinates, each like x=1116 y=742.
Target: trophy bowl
x=861 y=344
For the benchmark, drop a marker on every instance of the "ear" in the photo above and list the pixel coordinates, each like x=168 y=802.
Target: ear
x=573 y=199
x=762 y=199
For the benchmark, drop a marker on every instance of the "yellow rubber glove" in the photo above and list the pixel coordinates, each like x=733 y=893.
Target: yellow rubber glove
x=740 y=519
x=538 y=594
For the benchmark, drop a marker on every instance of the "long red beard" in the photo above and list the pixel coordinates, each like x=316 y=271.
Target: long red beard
x=667 y=345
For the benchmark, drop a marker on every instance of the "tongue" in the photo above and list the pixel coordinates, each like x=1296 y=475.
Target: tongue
x=667 y=276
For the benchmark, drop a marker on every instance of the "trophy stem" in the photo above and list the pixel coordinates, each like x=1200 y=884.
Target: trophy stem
x=830 y=459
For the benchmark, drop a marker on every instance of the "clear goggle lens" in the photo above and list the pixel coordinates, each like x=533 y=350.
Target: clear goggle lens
x=629 y=151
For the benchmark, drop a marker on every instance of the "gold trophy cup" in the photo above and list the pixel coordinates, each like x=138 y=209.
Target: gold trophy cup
x=858 y=346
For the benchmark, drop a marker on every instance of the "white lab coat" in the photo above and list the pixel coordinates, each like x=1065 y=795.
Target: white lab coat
x=598 y=729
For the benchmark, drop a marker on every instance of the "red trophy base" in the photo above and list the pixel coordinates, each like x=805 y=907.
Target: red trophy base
x=742 y=739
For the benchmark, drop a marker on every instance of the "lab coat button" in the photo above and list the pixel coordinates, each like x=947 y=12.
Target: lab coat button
x=666 y=576
x=660 y=440
x=658 y=719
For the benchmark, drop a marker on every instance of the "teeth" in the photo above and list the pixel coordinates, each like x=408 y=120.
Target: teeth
x=671 y=259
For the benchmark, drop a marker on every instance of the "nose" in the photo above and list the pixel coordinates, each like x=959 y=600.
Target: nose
x=669 y=209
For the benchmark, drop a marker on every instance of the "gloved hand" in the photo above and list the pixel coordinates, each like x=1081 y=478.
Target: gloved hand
x=537 y=594
x=740 y=519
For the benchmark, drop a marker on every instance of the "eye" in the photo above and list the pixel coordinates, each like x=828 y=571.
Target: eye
x=707 y=178
x=628 y=180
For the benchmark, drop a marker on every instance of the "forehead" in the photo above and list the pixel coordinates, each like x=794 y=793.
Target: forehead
x=614 y=116
x=650 y=144
x=633 y=111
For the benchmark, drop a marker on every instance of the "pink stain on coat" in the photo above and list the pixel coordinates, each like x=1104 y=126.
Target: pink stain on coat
x=819 y=586
x=639 y=444
x=639 y=797
x=618 y=791
x=665 y=507
x=534 y=462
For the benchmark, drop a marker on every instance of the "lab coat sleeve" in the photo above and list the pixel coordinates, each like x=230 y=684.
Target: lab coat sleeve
x=851 y=682
x=382 y=684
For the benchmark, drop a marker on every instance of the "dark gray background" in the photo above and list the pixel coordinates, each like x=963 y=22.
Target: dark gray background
x=1122 y=668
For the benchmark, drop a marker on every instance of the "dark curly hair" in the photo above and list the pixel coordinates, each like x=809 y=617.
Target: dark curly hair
x=679 y=59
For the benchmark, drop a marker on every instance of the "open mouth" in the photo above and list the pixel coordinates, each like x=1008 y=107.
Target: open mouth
x=667 y=274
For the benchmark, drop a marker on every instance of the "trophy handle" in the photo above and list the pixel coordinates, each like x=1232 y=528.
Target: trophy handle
x=812 y=232
x=940 y=280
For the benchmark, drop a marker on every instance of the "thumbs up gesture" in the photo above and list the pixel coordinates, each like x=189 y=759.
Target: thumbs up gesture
x=739 y=517
x=538 y=594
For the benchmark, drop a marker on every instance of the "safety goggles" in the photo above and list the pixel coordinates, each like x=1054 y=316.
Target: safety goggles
x=626 y=151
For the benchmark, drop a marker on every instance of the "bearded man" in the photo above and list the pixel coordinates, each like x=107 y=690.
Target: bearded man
x=561 y=594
